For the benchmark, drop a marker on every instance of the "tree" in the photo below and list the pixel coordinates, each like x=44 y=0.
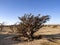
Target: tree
x=30 y=24
x=1 y=25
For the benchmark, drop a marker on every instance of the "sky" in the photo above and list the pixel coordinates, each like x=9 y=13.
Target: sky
x=11 y=9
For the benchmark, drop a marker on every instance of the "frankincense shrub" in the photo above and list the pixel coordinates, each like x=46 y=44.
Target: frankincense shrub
x=30 y=23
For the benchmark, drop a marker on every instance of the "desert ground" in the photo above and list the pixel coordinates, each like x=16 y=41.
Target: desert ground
x=50 y=33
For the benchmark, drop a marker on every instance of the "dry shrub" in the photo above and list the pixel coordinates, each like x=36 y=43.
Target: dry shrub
x=29 y=24
x=54 y=26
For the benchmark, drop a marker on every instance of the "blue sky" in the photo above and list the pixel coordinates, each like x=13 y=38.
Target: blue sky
x=11 y=9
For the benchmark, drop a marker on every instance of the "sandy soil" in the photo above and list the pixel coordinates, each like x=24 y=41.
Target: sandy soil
x=35 y=42
x=49 y=32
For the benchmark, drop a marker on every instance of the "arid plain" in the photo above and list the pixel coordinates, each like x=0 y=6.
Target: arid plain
x=50 y=36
